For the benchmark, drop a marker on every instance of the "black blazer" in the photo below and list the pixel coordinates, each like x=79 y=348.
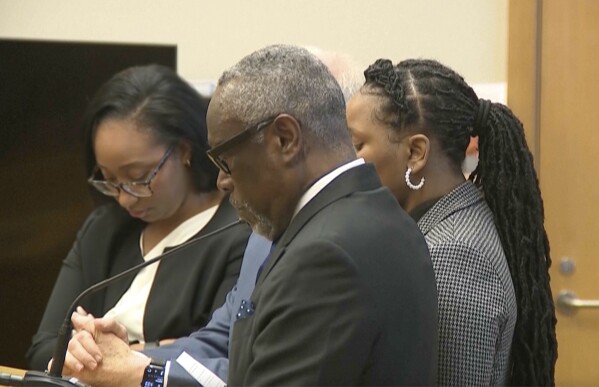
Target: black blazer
x=348 y=296
x=188 y=287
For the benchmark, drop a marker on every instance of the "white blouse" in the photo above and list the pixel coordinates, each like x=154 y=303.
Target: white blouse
x=130 y=309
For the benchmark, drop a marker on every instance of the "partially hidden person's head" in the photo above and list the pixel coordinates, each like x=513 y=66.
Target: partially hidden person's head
x=276 y=122
x=343 y=68
x=146 y=141
x=414 y=122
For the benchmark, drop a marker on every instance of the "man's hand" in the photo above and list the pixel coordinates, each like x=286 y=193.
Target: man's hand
x=83 y=321
x=119 y=365
x=83 y=352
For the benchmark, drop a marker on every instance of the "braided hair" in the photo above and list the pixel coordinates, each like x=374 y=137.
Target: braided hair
x=426 y=96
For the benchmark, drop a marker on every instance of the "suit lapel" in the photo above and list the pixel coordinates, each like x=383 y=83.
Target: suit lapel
x=360 y=178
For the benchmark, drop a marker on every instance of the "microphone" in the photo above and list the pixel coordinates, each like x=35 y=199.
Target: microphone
x=54 y=376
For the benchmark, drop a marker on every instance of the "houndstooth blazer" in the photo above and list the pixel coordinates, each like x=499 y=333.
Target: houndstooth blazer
x=477 y=305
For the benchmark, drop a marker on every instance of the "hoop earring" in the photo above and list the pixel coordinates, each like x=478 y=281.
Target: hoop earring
x=188 y=163
x=409 y=183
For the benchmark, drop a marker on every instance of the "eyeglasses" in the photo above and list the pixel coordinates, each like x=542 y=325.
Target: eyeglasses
x=139 y=189
x=214 y=153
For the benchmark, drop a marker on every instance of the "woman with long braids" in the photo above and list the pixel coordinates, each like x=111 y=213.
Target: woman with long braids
x=486 y=235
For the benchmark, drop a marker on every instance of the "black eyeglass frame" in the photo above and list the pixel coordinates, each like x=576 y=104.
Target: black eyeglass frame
x=215 y=152
x=126 y=185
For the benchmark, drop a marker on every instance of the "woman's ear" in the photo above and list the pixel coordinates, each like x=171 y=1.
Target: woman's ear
x=419 y=146
x=185 y=149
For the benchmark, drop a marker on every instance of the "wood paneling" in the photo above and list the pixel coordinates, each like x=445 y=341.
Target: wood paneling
x=44 y=87
x=523 y=67
x=561 y=92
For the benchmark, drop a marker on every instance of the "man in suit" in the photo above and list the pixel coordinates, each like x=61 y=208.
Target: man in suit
x=348 y=295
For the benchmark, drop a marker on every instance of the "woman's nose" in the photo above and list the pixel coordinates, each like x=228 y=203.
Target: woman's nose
x=125 y=199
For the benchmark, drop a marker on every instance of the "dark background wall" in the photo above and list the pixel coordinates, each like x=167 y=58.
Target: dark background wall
x=44 y=198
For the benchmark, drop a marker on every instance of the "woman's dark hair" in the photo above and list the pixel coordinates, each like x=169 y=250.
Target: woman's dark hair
x=160 y=101
x=425 y=96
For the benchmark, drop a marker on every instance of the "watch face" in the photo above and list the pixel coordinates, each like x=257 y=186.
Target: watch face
x=153 y=376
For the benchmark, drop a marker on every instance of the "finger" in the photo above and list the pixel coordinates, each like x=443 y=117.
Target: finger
x=89 y=342
x=71 y=365
x=83 y=351
x=66 y=370
x=84 y=312
x=108 y=325
x=82 y=322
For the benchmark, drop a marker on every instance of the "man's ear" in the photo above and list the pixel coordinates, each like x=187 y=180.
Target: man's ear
x=288 y=136
x=420 y=147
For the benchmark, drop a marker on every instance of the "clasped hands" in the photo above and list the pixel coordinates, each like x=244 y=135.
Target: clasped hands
x=99 y=353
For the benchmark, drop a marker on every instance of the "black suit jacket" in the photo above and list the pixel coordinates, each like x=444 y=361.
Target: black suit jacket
x=188 y=287
x=348 y=296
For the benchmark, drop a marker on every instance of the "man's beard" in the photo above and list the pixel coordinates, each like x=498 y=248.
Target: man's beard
x=258 y=222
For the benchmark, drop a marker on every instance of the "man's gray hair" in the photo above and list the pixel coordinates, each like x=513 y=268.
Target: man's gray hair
x=286 y=79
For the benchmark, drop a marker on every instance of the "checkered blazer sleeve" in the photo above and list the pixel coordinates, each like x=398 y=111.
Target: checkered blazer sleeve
x=474 y=343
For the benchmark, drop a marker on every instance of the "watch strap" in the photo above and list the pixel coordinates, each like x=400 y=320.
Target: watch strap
x=154 y=374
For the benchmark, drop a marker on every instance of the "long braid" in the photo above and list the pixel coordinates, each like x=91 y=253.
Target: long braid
x=427 y=96
x=506 y=175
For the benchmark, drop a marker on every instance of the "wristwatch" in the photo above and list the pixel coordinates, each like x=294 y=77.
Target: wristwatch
x=154 y=374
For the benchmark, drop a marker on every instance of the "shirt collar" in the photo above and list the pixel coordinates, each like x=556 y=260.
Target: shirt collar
x=323 y=182
x=181 y=233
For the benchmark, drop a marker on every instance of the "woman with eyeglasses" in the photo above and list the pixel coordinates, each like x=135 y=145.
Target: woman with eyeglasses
x=145 y=144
